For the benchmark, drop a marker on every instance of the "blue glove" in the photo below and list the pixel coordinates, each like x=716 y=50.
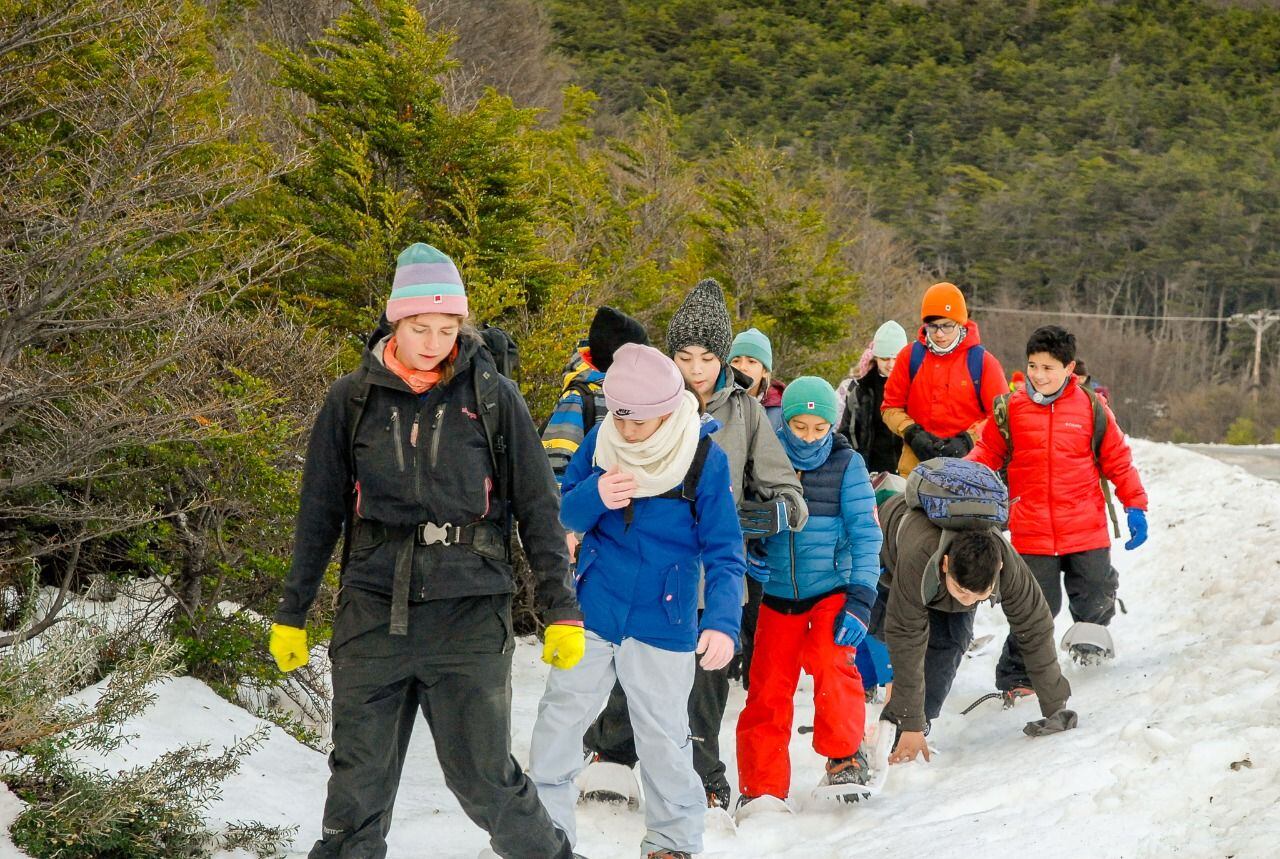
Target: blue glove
x=762 y=518
x=757 y=568
x=851 y=624
x=1137 y=527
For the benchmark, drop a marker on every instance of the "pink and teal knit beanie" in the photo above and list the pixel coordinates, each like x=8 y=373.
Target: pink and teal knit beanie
x=426 y=281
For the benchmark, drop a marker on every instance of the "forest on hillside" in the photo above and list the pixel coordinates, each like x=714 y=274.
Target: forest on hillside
x=201 y=204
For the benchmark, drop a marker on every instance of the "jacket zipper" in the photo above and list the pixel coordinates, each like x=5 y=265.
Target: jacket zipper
x=795 y=585
x=1048 y=468
x=395 y=432
x=435 y=434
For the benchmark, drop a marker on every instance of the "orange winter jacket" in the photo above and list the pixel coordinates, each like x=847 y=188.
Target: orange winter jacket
x=941 y=397
x=1058 y=507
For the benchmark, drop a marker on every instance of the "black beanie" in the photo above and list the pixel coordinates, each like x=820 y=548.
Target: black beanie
x=610 y=329
x=702 y=320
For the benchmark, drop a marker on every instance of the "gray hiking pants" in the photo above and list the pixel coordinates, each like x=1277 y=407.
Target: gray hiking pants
x=1091 y=583
x=657 y=684
x=455 y=666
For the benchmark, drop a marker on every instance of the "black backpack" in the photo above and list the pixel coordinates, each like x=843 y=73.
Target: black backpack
x=688 y=488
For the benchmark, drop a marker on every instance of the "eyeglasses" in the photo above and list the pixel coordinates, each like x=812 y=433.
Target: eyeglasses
x=942 y=327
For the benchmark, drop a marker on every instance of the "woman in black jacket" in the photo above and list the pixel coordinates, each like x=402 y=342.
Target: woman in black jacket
x=412 y=453
x=861 y=423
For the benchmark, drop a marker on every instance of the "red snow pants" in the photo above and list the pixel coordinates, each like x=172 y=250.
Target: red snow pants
x=784 y=644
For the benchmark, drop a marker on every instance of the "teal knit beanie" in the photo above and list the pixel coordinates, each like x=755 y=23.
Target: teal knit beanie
x=753 y=344
x=809 y=395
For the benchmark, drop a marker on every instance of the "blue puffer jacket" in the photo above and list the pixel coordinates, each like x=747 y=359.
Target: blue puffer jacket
x=641 y=580
x=839 y=546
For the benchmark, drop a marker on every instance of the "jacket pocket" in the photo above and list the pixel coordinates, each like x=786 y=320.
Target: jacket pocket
x=676 y=595
x=586 y=557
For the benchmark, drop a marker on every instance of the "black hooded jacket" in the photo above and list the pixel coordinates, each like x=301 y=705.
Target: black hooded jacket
x=416 y=459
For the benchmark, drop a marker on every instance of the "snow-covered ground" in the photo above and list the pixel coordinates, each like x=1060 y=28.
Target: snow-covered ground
x=1195 y=688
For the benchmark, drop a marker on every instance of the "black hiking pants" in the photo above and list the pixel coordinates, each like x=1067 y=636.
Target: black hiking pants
x=950 y=633
x=455 y=666
x=610 y=735
x=1091 y=583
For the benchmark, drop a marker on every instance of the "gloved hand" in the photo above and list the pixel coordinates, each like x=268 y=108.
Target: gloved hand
x=851 y=624
x=1137 y=527
x=956 y=446
x=289 y=646
x=1063 y=720
x=757 y=567
x=616 y=488
x=564 y=645
x=762 y=518
x=923 y=443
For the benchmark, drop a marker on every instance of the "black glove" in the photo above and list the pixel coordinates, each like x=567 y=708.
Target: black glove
x=956 y=446
x=923 y=443
x=762 y=518
x=1063 y=720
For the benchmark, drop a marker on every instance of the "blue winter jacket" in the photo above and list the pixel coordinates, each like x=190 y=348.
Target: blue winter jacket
x=641 y=580
x=839 y=547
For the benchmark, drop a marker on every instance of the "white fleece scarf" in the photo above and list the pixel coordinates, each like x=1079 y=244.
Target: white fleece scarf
x=659 y=462
x=938 y=350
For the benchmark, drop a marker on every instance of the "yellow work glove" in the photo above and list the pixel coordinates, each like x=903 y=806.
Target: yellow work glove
x=565 y=644
x=289 y=646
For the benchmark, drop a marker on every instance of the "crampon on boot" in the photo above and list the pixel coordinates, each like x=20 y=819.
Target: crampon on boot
x=1009 y=697
x=853 y=770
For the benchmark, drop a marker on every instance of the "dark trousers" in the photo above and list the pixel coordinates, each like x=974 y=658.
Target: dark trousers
x=740 y=668
x=610 y=735
x=1091 y=583
x=950 y=633
x=455 y=667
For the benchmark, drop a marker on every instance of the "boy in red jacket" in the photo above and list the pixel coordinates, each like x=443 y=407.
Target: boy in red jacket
x=941 y=388
x=1059 y=521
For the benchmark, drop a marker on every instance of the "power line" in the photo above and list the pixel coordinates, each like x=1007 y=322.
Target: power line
x=1021 y=312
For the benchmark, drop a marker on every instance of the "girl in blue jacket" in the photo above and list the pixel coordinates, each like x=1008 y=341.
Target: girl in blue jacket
x=816 y=607
x=651 y=494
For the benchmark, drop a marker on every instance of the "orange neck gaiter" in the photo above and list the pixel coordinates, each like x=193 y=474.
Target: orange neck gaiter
x=419 y=381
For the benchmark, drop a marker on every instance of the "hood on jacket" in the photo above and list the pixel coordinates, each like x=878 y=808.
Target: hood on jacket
x=773 y=394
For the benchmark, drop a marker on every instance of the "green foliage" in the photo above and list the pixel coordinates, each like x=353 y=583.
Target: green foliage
x=1117 y=155
x=1243 y=431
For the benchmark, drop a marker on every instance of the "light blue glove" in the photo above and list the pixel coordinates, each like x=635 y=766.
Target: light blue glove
x=1137 y=527
x=762 y=518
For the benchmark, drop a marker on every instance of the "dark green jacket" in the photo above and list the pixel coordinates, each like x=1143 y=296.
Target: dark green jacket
x=911 y=572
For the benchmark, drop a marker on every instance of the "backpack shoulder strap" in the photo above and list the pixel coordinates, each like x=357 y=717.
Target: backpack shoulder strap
x=917 y=358
x=1099 y=433
x=975 y=358
x=355 y=407
x=488 y=397
x=688 y=488
x=1000 y=414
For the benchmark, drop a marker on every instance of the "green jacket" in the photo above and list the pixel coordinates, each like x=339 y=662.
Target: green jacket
x=911 y=573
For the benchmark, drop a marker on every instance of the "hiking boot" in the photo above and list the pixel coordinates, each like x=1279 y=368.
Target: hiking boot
x=852 y=770
x=669 y=854
x=718 y=798
x=1009 y=697
x=743 y=799
x=1088 y=654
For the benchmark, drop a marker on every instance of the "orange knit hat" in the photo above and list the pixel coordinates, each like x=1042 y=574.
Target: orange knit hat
x=944 y=299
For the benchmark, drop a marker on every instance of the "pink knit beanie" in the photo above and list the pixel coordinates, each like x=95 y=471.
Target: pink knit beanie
x=642 y=383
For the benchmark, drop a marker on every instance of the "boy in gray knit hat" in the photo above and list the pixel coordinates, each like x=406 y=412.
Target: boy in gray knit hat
x=702 y=320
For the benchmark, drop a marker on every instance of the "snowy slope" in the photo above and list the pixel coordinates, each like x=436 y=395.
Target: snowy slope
x=1195 y=688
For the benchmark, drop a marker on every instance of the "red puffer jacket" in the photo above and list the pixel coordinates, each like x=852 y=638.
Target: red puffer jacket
x=1058 y=506
x=941 y=397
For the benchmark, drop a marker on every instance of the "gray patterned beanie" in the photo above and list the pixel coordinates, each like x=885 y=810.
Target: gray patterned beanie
x=702 y=320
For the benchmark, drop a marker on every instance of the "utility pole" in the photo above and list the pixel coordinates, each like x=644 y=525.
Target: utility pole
x=1259 y=321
